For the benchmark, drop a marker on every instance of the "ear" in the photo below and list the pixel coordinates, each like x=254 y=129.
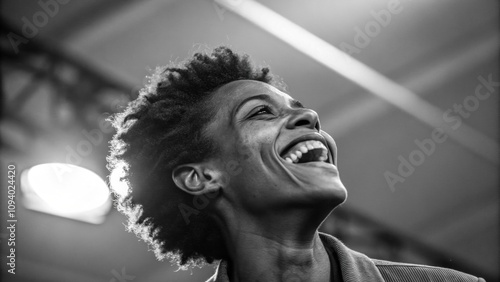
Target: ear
x=197 y=179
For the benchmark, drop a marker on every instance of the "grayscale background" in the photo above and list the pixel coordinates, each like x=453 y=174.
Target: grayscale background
x=90 y=57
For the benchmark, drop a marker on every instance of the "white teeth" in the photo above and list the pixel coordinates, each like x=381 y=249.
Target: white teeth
x=304 y=148
x=317 y=144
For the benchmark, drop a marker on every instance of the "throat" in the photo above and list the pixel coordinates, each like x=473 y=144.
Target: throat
x=270 y=260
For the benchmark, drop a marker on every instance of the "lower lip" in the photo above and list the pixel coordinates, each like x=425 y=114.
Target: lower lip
x=314 y=164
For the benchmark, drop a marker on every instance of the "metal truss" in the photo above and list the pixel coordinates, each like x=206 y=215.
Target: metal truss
x=78 y=95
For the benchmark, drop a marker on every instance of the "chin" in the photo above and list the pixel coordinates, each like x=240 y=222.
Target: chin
x=335 y=193
x=325 y=192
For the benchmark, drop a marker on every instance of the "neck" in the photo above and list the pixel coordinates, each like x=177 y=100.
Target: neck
x=276 y=252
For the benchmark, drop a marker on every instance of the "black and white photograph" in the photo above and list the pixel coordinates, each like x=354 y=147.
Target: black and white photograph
x=250 y=141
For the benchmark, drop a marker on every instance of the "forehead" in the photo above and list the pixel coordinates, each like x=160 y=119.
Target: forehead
x=238 y=90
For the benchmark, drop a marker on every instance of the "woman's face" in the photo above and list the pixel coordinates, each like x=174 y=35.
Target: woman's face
x=273 y=152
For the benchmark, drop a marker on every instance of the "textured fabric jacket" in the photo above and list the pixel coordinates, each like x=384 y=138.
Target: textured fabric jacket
x=356 y=267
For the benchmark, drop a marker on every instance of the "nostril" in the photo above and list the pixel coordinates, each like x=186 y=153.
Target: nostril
x=317 y=126
x=305 y=118
x=302 y=122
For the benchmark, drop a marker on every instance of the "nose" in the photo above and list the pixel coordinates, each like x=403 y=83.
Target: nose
x=305 y=118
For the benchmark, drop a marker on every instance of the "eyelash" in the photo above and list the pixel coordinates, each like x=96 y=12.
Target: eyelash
x=261 y=108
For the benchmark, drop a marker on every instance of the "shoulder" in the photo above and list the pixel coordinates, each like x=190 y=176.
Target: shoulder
x=395 y=271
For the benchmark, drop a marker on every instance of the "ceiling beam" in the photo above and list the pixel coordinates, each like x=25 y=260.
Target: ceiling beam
x=423 y=81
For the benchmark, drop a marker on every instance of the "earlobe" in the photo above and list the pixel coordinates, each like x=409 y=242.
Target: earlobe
x=196 y=179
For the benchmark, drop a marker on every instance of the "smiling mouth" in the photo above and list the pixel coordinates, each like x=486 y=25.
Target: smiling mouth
x=305 y=151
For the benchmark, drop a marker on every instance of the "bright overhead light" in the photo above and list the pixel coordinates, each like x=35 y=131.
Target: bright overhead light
x=66 y=190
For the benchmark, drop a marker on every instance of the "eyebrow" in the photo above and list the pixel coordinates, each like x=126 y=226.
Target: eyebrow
x=267 y=98
x=297 y=104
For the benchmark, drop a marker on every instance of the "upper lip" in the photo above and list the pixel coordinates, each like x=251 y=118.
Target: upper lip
x=311 y=136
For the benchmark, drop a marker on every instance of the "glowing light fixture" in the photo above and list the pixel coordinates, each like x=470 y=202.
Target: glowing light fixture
x=66 y=190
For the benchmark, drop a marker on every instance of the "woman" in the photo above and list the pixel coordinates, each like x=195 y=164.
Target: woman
x=222 y=164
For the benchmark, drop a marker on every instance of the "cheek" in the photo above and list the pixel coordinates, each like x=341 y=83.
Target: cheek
x=258 y=142
x=251 y=140
x=256 y=135
x=248 y=151
x=246 y=167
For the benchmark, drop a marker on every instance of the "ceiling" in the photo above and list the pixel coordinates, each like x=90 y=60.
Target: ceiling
x=440 y=50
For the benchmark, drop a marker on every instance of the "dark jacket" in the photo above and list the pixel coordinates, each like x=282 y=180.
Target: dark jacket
x=356 y=267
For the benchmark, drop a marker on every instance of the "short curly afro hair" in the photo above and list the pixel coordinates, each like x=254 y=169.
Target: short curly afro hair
x=161 y=129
